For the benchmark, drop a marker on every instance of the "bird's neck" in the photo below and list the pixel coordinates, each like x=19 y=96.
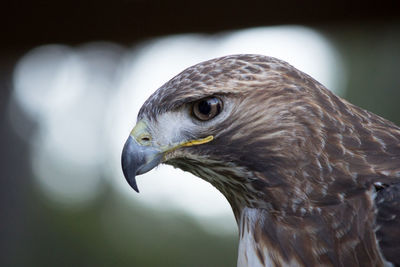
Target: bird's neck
x=264 y=242
x=251 y=252
x=268 y=239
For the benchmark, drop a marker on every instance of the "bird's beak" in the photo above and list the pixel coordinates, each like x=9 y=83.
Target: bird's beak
x=138 y=159
x=141 y=154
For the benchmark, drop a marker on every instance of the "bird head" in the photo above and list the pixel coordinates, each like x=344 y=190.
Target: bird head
x=240 y=122
x=295 y=161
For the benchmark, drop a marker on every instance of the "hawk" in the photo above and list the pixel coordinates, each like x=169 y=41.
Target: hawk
x=311 y=179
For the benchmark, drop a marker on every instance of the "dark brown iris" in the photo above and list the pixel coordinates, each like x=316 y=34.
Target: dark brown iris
x=207 y=108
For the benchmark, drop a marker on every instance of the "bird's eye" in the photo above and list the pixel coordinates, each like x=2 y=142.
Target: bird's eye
x=207 y=108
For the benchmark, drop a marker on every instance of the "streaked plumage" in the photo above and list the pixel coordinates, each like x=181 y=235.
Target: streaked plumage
x=312 y=179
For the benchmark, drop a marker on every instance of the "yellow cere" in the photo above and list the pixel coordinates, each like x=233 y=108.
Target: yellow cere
x=140 y=134
x=139 y=129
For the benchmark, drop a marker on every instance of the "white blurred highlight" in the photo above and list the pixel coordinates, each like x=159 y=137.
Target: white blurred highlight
x=85 y=101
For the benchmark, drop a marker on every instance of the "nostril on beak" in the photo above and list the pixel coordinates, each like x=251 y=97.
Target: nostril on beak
x=145 y=139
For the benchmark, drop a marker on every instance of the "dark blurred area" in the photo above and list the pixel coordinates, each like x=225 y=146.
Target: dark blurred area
x=113 y=230
x=31 y=23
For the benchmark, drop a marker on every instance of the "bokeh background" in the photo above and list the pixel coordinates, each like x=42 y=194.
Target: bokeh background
x=72 y=78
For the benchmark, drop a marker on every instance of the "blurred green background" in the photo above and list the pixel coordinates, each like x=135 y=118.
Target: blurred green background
x=112 y=228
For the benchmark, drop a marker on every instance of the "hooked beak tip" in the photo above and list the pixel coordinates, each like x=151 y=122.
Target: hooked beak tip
x=130 y=162
x=137 y=159
x=132 y=183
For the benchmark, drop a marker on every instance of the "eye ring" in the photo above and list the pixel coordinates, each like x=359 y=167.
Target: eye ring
x=207 y=108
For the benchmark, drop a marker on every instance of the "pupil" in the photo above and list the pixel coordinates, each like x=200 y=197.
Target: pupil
x=204 y=107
